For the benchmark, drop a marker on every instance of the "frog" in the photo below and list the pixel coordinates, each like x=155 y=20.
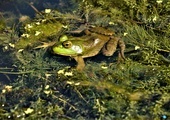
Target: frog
x=95 y=40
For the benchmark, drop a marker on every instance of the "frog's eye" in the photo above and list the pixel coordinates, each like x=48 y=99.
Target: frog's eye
x=67 y=44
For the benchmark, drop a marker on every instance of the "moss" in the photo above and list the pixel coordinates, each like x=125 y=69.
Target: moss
x=37 y=33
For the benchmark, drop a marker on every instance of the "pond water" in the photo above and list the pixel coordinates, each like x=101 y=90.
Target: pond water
x=37 y=84
x=11 y=12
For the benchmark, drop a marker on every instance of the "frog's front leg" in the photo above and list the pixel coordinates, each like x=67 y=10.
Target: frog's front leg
x=80 y=63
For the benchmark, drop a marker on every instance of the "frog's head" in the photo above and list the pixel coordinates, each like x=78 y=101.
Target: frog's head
x=67 y=47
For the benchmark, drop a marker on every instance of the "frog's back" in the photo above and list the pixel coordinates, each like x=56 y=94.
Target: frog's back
x=102 y=31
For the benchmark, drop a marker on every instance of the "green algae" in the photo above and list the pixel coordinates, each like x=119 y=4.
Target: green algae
x=36 y=32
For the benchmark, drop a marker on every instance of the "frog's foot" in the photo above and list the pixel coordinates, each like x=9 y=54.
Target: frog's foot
x=120 y=58
x=122 y=48
x=79 y=30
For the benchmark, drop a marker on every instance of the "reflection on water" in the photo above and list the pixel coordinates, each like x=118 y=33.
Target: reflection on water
x=22 y=7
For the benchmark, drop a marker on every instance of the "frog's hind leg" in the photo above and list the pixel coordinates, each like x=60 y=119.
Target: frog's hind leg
x=110 y=46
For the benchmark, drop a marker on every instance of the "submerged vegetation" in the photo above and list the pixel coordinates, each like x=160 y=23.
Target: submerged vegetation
x=43 y=86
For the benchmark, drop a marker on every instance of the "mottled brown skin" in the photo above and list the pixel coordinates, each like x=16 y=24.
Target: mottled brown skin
x=107 y=45
x=112 y=42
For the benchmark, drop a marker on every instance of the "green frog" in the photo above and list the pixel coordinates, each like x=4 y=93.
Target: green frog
x=95 y=40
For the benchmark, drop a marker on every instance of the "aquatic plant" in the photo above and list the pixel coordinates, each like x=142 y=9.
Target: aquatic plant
x=150 y=48
x=46 y=87
x=2 y=25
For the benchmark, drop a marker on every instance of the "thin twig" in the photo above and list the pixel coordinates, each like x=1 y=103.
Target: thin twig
x=34 y=8
x=15 y=73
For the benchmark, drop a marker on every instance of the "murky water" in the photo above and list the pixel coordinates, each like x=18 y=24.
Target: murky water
x=13 y=12
x=35 y=83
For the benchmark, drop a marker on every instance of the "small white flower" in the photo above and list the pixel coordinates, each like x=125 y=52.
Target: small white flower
x=20 y=50
x=65 y=26
x=111 y=23
x=28 y=111
x=25 y=35
x=47 y=10
x=77 y=83
x=7 y=88
x=18 y=116
x=104 y=67
x=37 y=23
x=29 y=26
x=47 y=86
x=3 y=91
x=47 y=75
x=37 y=33
x=11 y=45
x=125 y=34
x=61 y=71
x=6 y=47
x=137 y=47
x=44 y=20
x=159 y=1
x=68 y=74
x=154 y=19
x=70 y=82
x=47 y=92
